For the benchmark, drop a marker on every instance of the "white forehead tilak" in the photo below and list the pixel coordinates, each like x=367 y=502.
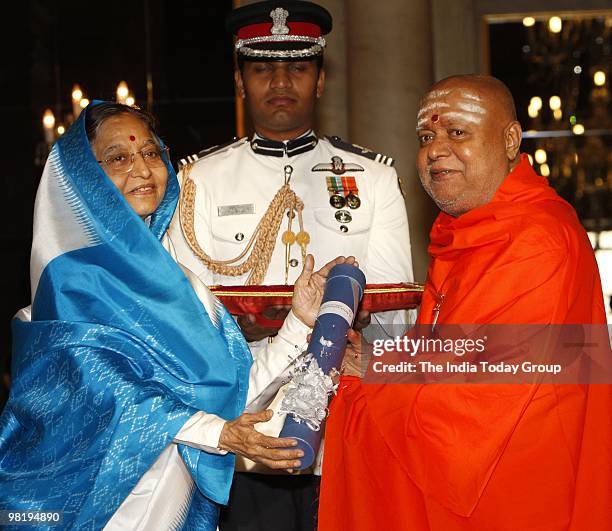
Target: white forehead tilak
x=430 y=108
x=470 y=110
x=470 y=95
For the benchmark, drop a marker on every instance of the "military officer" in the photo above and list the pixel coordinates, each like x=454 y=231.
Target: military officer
x=251 y=210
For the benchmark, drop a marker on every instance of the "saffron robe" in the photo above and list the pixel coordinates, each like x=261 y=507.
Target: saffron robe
x=483 y=457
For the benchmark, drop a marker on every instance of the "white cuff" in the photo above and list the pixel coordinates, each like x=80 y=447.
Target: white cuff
x=294 y=332
x=272 y=362
x=202 y=431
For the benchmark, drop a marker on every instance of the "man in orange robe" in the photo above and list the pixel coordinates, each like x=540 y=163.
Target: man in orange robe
x=506 y=249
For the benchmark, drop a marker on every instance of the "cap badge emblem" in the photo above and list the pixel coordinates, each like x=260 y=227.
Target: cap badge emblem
x=279 y=20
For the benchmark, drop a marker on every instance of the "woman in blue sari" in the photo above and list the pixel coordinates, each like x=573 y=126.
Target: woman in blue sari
x=124 y=375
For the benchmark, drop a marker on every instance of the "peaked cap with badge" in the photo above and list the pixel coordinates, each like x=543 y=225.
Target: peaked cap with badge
x=279 y=30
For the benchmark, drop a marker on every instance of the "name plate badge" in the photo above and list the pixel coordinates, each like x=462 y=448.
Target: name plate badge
x=235 y=210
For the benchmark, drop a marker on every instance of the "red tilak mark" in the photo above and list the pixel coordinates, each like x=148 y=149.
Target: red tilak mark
x=132 y=138
x=435 y=118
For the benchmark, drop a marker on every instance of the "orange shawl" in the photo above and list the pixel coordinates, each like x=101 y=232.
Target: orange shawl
x=483 y=457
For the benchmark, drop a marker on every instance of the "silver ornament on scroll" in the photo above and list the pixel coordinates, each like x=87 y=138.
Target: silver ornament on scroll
x=311 y=386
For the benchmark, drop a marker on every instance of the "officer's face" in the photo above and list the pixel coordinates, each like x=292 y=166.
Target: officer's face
x=467 y=143
x=281 y=95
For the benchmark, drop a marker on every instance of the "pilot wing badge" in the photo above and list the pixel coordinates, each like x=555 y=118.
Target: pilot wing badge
x=337 y=166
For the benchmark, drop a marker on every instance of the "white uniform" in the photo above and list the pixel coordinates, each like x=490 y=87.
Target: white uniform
x=235 y=184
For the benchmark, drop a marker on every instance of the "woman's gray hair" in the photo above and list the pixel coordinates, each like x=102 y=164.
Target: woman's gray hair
x=98 y=114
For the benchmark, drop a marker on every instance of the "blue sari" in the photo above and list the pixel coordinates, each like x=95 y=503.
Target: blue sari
x=118 y=354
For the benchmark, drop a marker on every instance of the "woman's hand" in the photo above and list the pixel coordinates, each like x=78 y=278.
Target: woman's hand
x=240 y=437
x=309 y=287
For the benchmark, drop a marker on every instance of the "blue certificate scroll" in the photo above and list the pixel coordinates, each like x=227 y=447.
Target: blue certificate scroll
x=307 y=396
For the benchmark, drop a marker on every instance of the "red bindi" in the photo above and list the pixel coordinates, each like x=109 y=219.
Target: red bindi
x=132 y=138
x=435 y=118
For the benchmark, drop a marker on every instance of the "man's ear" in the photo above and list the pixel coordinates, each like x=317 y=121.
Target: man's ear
x=512 y=137
x=321 y=82
x=239 y=83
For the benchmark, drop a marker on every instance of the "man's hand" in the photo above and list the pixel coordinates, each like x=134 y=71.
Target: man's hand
x=362 y=320
x=356 y=357
x=240 y=437
x=309 y=287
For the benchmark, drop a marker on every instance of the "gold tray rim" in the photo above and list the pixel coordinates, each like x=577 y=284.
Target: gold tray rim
x=407 y=288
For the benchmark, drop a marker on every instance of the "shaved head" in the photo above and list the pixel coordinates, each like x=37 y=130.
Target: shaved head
x=489 y=88
x=469 y=140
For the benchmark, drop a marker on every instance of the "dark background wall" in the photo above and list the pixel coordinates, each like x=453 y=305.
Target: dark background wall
x=49 y=46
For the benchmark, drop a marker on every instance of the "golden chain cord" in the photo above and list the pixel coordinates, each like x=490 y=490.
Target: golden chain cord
x=262 y=241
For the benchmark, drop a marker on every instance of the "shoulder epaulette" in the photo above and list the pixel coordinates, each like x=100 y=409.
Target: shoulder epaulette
x=209 y=151
x=336 y=141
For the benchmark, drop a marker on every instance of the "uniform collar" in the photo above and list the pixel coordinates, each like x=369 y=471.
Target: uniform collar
x=276 y=148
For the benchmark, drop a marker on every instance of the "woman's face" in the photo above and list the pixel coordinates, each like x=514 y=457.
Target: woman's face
x=119 y=140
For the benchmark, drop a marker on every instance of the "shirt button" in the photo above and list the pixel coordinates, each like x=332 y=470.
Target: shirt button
x=293 y=262
x=343 y=228
x=239 y=236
